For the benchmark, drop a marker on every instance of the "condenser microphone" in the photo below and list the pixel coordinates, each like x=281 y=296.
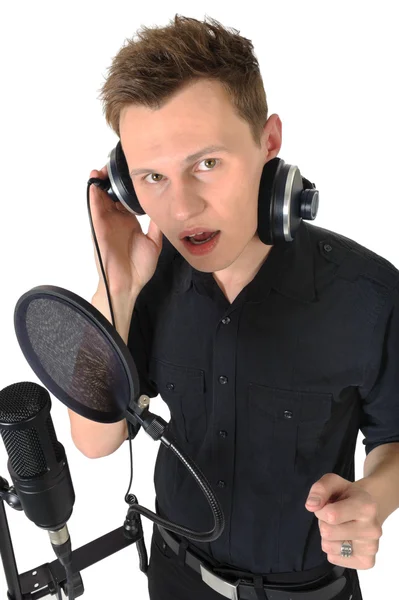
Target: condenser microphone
x=37 y=462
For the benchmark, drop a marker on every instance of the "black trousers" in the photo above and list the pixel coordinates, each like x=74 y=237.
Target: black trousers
x=168 y=580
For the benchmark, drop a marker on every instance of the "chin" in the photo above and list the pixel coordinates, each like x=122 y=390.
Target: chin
x=212 y=264
x=218 y=260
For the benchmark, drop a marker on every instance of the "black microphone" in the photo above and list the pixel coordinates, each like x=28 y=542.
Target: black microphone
x=37 y=462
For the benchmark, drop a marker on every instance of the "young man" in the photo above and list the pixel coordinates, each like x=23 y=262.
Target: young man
x=270 y=358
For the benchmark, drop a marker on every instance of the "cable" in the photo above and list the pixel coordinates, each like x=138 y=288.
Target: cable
x=135 y=508
x=69 y=581
x=64 y=554
x=103 y=184
x=99 y=183
x=181 y=530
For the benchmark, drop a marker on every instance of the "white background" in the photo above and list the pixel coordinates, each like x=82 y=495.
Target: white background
x=330 y=73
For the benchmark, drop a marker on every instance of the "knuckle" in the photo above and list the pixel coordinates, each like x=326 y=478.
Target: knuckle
x=331 y=517
x=326 y=547
x=372 y=548
x=370 y=509
x=324 y=530
x=374 y=533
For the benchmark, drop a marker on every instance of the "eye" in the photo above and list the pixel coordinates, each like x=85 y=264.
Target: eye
x=209 y=160
x=206 y=160
x=145 y=178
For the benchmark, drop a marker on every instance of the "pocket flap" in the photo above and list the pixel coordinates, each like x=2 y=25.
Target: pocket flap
x=299 y=406
x=175 y=378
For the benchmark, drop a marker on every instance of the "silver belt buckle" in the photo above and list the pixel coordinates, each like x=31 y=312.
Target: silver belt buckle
x=227 y=589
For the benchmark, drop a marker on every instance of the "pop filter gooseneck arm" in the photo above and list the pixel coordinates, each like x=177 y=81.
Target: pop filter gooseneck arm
x=155 y=427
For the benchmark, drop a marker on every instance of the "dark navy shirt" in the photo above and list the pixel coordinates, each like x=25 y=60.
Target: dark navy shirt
x=268 y=394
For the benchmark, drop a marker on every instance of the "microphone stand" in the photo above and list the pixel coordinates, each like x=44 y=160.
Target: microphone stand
x=49 y=578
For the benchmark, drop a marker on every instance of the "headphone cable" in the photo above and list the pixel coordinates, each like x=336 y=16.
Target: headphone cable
x=103 y=185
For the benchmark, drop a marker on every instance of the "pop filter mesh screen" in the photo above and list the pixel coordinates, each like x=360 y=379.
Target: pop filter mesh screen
x=76 y=355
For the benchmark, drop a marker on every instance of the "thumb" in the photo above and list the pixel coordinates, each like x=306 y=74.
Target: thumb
x=328 y=489
x=155 y=234
x=314 y=502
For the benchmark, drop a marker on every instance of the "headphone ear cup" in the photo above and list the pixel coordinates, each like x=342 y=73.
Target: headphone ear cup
x=121 y=183
x=265 y=229
x=281 y=202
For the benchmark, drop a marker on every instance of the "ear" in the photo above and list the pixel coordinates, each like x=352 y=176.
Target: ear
x=273 y=136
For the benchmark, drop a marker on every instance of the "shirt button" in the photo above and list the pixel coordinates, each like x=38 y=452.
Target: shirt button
x=226 y=320
x=170 y=386
x=221 y=483
x=288 y=414
x=327 y=247
x=223 y=379
x=223 y=433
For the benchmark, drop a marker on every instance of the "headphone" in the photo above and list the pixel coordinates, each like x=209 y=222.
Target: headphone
x=285 y=197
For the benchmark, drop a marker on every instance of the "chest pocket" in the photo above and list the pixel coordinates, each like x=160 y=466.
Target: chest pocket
x=183 y=390
x=285 y=429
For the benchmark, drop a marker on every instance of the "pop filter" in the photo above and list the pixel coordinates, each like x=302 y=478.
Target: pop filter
x=76 y=352
x=81 y=358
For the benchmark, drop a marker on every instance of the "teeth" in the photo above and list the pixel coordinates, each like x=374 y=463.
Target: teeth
x=194 y=234
x=204 y=241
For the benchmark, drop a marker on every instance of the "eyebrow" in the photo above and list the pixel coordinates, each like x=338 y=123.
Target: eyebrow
x=188 y=159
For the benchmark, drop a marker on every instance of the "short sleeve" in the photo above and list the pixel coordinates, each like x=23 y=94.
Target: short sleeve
x=380 y=405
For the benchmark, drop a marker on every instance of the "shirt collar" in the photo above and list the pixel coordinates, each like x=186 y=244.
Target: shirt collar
x=288 y=269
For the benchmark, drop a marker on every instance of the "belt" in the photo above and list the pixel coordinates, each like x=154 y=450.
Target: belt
x=244 y=590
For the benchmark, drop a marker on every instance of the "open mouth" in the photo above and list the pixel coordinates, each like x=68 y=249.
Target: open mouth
x=201 y=238
x=200 y=247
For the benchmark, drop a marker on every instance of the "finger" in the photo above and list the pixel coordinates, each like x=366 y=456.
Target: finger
x=354 y=530
x=345 y=510
x=121 y=208
x=104 y=171
x=103 y=203
x=359 y=548
x=99 y=205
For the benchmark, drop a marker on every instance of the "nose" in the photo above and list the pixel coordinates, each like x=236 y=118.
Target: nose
x=185 y=202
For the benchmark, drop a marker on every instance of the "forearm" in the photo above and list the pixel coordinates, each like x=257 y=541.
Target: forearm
x=381 y=478
x=94 y=439
x=101 y=439
x=122 y=306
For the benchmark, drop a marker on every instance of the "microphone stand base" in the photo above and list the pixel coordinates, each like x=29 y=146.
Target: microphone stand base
x=49 y=576
x=46 y=579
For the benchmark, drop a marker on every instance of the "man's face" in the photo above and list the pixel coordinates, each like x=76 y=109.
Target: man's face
x=218 y=190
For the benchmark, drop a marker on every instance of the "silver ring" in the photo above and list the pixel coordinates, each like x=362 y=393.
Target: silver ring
x=346 y=549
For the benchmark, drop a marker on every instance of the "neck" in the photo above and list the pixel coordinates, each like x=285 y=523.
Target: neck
x=245 y=267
